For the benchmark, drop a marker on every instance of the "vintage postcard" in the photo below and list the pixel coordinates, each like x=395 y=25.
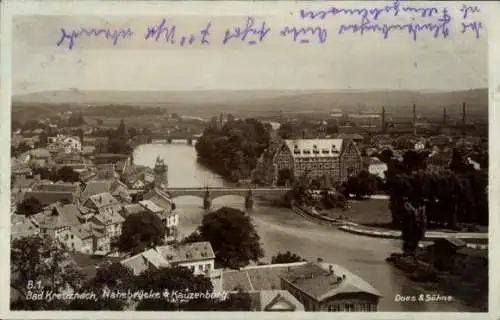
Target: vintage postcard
x=301 y=157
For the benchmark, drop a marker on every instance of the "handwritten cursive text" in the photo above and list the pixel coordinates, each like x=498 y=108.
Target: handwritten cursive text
x=115 y=35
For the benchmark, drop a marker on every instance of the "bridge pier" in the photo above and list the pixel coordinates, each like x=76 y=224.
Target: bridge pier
x=190 y=141
x=207 y=202
x=249 y=200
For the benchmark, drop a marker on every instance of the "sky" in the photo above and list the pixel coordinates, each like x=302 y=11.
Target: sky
x=347 y=62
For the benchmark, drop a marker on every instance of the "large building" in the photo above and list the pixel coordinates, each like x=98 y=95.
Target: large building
x=317 y=286
x=337 y=158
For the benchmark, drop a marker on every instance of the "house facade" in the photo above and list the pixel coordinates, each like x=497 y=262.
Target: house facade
x=197 y=257
x=72 y=144
x=326 y=287
x=107 y=218
x=336 y=158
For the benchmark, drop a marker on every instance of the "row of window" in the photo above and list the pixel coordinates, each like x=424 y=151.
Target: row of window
x=351 y=307
x=201 y=268
x=316 y=151
x=318 y=166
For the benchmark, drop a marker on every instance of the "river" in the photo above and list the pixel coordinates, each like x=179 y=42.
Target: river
x=281 y=229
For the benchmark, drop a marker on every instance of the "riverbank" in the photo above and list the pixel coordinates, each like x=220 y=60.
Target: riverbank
x=475 y=239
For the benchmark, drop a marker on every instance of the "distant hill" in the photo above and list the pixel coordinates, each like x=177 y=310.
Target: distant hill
x=255 y=102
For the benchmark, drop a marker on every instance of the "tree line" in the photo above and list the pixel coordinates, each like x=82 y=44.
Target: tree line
x=232 y=149
x=456 y=194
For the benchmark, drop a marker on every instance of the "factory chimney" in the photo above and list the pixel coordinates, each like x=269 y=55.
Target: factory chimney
x=414 y=119
x=383 y=120
x=464 y=118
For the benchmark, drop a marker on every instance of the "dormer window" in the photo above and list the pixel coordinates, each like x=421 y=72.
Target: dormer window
x=315 y=149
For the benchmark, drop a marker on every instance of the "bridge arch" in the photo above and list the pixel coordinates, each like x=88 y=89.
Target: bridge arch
x=210 y=194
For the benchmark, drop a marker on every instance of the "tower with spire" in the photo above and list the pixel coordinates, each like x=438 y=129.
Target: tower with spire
x=160 y=173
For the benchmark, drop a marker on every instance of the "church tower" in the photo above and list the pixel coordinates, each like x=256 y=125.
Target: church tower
x=161 y=174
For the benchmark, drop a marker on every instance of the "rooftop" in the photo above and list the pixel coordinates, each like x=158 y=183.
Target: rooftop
x=164 y=256
x=49 y=197
x=57 y=216
x=151 y=206
x=307 y=148
x=315 y=279
x=322 y=281
x=56 y=187
x=103 y=199
x=22 y=226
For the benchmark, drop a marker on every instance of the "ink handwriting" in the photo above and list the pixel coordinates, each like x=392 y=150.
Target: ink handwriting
x=298 y=34
x=466 y=10
x=472 y=26
x=313 y=26
x=367 y=14
x=247 y=32
x=115 y=35
x=437 y=29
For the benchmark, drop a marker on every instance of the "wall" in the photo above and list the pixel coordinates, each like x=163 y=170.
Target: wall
x=196 y=265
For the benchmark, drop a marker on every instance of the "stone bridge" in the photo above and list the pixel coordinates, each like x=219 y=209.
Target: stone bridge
x=209 y=194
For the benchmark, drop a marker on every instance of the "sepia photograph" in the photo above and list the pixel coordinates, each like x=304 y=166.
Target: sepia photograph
x=289 y=157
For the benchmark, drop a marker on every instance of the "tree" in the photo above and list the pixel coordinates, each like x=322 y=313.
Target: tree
x=112 y=277
x=140 y=231
x=364 y=184
x=233 y=149
x=285 y=131
x=193 y=237
x=42 y=143
x=29 y=207
x=172 y=279
x=286 y=257
x=40 y=259
x=67 y=174
x=76 y=120
x=232 y=236
x=285 y=177
x=20 y=149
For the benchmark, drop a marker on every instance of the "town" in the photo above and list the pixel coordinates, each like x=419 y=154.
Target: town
x=91 y=212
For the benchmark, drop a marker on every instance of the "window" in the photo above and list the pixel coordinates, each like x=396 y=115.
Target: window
x=349 y=307
x=207 y=267
x=200 y=267
x=334 y=308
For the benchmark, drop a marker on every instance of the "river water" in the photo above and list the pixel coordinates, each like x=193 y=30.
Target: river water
x=281 y=229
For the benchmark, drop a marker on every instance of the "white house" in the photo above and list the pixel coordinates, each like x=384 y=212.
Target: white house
x=198 y=257
x=73 y=144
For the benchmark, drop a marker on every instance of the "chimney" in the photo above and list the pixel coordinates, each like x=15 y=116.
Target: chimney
x=330 y=269
x=383 y=119
x=303 y=134
x=414 y=119
x=464 y=118
x=444 y=115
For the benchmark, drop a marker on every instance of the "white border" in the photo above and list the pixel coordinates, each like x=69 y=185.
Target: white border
x=10 y=8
